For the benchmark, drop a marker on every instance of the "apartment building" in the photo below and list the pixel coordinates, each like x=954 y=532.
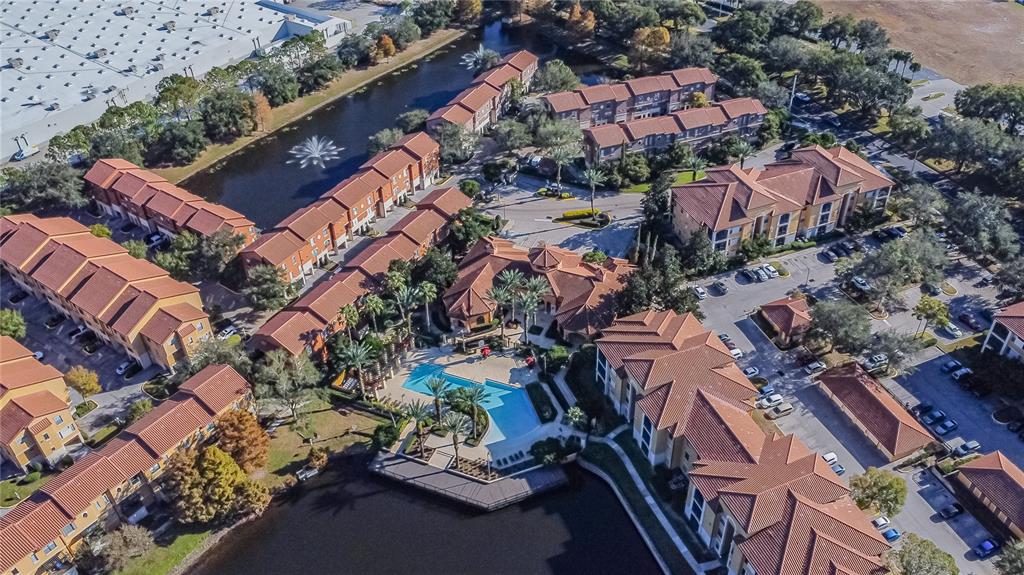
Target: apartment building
x=809 y=194
x=129 y=303
x=1006 y=336
x=118 y=483
x=998 y=484
x=122 y=189
x=487 y=97
x=36 y=425
x=634 y=99
x=696 y=127
x=581 y=296
x=764 y=504
x=309 y=236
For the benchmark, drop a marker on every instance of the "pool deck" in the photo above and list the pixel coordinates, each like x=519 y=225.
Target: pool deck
x=485 y=496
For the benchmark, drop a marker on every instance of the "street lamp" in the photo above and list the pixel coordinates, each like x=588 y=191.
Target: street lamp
x=913 y=164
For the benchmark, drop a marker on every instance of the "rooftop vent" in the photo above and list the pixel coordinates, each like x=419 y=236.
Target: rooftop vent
x=169 y=25
x=51 y=34
x=132 y=69
x=213 y=11
x=54 y=107
x=110 y=89
x=158 y=66
x=15 y=63
x=127 y=10
x=99 y=53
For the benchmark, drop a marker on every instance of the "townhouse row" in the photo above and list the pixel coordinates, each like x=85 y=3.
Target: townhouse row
x=1006 y=336
x=634 y=99
x=764 y=504
x=122 y=189
x=807 y=195
x=306 y=324
x=697 y=127
x=129 y=303
x=489 y=96
x=309 y=236
x=36 y=425
x=118 y=483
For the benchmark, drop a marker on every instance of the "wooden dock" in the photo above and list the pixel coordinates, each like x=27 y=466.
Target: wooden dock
x=487 y=496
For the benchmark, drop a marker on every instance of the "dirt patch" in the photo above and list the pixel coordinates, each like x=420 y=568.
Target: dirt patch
x=970 y=41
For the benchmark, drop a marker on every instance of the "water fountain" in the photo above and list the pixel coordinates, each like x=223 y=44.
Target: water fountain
x=314 y=151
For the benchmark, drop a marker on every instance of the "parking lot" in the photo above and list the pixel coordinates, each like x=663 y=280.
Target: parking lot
x=59 y=351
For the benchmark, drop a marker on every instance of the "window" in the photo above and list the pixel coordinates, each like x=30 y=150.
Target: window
x=136 y=480
x=49 y=547
x=46 y=437
x=825 y=214
x=154 y=469
x=697 y=505
x=646 y=433
x=58 y=420
x=35 y=558
x=68 y=529
x=23 y=440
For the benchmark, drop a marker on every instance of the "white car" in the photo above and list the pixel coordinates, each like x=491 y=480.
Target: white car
x=736 y=353
x=227 y=332
x=831 y=458
x=962 y=373
x=813 y=368
x=802 y=97
x=861 y=284
x=38 y=355
x=780 y=410
x=751 y=372
x=700 y=292
x=953 y=330
x=26 y=153
x=770 y=270
x=769 y=401
x=880 y=522
x=877 y=361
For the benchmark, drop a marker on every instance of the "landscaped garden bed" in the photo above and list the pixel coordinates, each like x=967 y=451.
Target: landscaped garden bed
x=84 y=408
x=541 y=402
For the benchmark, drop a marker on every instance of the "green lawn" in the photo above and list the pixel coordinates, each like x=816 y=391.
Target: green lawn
x=85 y=407
x=684 y=177
x=103 y=434
x=170 y=550
x=12 y=490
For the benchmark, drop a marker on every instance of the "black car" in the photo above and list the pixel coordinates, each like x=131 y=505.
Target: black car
x=951 y=511
x=841 y=250
x=54 y=320
x=128 y=227
x=93 y=346
x=922 y=408
x=968 y=319
x=880 y=235
x=900 y=231
x=748 y=274
x=17 y=297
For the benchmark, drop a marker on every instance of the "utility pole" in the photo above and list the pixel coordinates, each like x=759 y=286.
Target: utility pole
x=792 y=93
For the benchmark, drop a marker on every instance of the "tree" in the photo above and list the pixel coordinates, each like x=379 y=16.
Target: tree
x=118 y=144
x=657 y=199
x=741 y=72
x=898 y=347
x=262 y=114
x=456 y=424
x=240 y=435
x=228 y=114
x=635 y=168
x=179 y=143
x=412 y=121
x=433 y=15
x=178 y=258
x=922 y=203
x=742 y=150
x=468 y=227
x=139 y=409
x=1011 y=560
x=699 y=257
x=383 y=140
x=918 y=556
x=317 y=458
x=870 y=36
x=83 y=380
x=656 y=285
x=213 y=352
x=690 y=50
x=745 y=32
x=468 y=11
x=386 y=46
x=908 y=128
x=43 y=185
x=178 y=94
x=277 y=83
x=266 y=289
x=555 y=76
x=594 y=178
x=428 y=292
x=286 y=380
x=581 y=22
x=205 y=485
x=843 y=323
x=419 y=413
x=438 y=387
x=136 y=248
x=839 y=29
x=437 y=267
x=982 y=224
x=1011 y=277
x=823 y=139
x=374 y=306
x=931 y=312
x=355 y=49
x=470 y=187
x=457 y=143
x=649 y=44
x=251 y=498
x=562 y=133
x=511 y=135
x=358 y=356
x=1001 y=103
x=214 y=252
x=123 y=545
x=350 y=317
x=968 y=141
x=562 y=156
x=12 y=324
x=879 y=490
x=800 y=18
x=319 y=73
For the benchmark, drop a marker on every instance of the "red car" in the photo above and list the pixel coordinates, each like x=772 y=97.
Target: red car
x=969 y=320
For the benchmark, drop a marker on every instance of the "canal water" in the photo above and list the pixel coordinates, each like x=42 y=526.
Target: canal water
x=258 y=182
x=348 y=521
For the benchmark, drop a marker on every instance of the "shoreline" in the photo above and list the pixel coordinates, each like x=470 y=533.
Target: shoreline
x=291 y=112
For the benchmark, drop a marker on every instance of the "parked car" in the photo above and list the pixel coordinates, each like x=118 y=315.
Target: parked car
x=921 y=409
x=970 y=321
x=986 y=548
x=38 y=355
x=700 y=292
x=877 y=361
x=124 y=366
x=721 y=287
x=769 y=401
x=830 y=457
x=736 y=353
x=946 y=426
x=881 y=235
x=55 y=320
x=132 y=370
x=933 y=416
x=306 y=473
x=951 y=511
x=861 y=284
x=838 y=468
x=833 y=121
x=931 y=289
x=155 y=239
x=892 y=534
x=841 y=251
x=93 y=346
x=828 y=255
x=802 y=97
x=230 y=331
x=954 y=331
x=880 y=522
x=17 y=297
x=848 y=246
x=951 y=366
x=128 y=226
x=962 y=373
x=724 y=337
x=748 y=274
x=900 y=231
x=781 y=410
x=77 y=332
x=751 y=371
x=767 y=389
x=760 y=275
x=966 y=447
x=770 y=270
x=814 y=367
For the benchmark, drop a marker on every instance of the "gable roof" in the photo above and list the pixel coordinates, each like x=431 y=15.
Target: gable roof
x=291 y=330
x=788 y=315
x=446 y=201
x=1001 y=482
x=419 y=144
x=420 y=226
x=1013 y=318
x=521 y=59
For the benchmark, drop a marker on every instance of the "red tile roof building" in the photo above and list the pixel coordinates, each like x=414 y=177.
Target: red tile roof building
x=999 y=485
x=121 y=188
x=1006 y=336
x=811 y=193
x=790 y=317
x=697 y=127
x=118 y=482
x=129 y=303
x=632 y=99
x=487 y=97
x=881 y=418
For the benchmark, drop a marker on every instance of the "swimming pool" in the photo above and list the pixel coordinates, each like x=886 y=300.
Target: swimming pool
x=512 y=415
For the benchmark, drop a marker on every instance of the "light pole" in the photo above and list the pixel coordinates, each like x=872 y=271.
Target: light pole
x=913 y=164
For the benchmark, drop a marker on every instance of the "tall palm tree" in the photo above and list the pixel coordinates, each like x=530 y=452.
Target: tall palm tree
x=457 y=424
x=561 y=156
x=419 y=412
x=529 y=302
x=537 y=286
x=350 y=315
x=502 y=297
x=695 y=164
x=374 y=306
x=743 y=150
x=475 y=396
x=428 y=292
x=594 y=178
x=438 y=388
x=512 y=279
x=406 y=298
x=357 y=355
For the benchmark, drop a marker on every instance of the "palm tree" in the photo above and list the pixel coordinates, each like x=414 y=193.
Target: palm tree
x=743 y=150
x=502 y=297
x=419 y=412
x=374 y=306
x=529 y=301
x=457 y=424
x=428 y=292
x=475 y=396
x=561 y=156
x=357 y=355
x=594 y=178
x=406 y=299
x=512 y=279
x=438 y=388
x=350 y=315
x=695 y=164
x=915 y=67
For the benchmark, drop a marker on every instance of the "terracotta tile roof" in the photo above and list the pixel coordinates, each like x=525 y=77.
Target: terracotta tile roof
x=616 y=92
x=689 y=76
x=168 y=320
x=419 y=145
x=390 y=163
x=376 y=257
x=564 y=101
x=172 y=203
x=75 y=488
x=306 y=222
x=274 y=247
x=420 y=226
x=725 y=198
x=326 y=298
x=333 y=211
x=353 y=192
x=656 y=125
x=521 y=59
x=1000 y=481
x=215 y=387
x=467 y=297
x=128 y=457
x=454 y=113
x=11 y=350
x=607 y=135
x=22 y=412
x=13 y=421
x=499 y=76
x=105 y=171
x=693 y=118
x=736 y=107
x=62 y=263
x=30 y=526
x=446 y=201
x=789 y=316
x=650 y=85
x=26 y=235
x=18 y=367
x=169 y=424
x=211 y=218
x=1013 y=318
x=885 y=419
x=290 y=330
x=134 y=185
